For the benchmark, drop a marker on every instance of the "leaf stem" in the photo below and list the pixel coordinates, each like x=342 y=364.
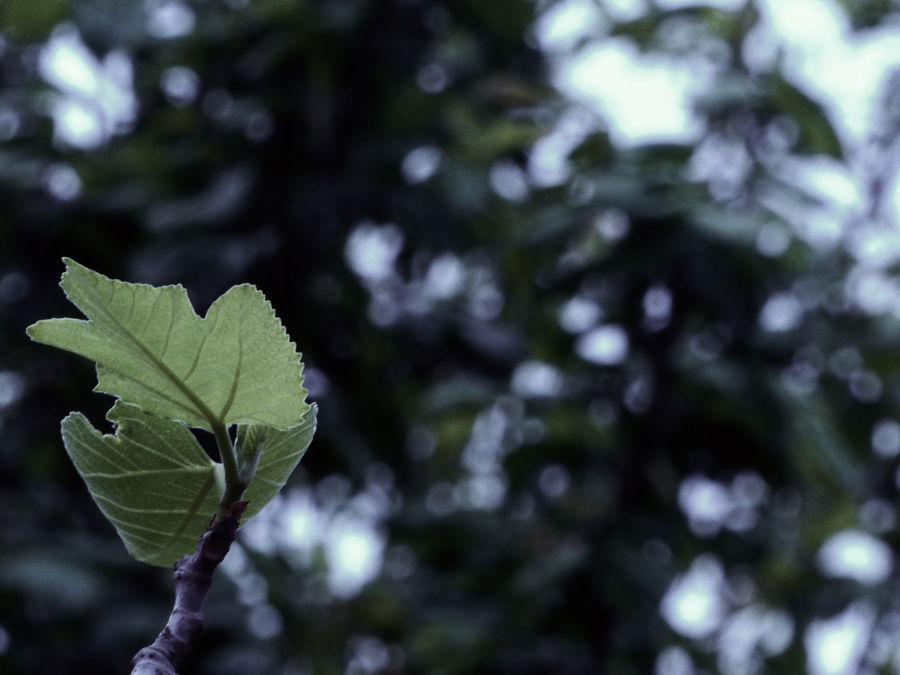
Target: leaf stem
x=193 y=576
x=234 y=486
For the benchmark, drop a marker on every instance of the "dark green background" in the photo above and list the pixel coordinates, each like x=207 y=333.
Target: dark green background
x=546 y=582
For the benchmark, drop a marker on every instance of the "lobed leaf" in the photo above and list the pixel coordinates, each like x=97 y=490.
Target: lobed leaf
x=151 y=480
x=235 y=365
x=155 y=484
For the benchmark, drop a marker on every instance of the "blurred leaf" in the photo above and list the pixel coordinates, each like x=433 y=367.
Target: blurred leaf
x=32 y=19
x=821 y=446
x=735 y=225
x=817 y=136
x=642 y=30
x=731 y=91
x=53 y=577
x=868 y=13
x=482 y=140
x=594 y=149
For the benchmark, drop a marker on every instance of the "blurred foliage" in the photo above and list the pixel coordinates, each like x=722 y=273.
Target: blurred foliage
x=517 y=379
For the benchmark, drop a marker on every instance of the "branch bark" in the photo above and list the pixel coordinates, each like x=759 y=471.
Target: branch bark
x=193 y=576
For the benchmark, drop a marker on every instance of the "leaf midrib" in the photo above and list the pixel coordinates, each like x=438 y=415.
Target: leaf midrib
x=182 y=386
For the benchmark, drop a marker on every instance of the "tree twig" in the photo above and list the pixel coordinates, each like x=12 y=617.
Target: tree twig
x=193 y=576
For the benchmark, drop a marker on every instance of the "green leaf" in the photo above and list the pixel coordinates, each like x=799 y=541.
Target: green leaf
x=152 y=480
x=280 y=450
x=157 y=486
x=27 y=20
x=817 y=135
x=235 y=365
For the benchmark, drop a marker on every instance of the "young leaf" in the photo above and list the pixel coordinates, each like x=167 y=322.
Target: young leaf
x=157 y=486
x=279 y=453
x=152 y=480
x=235 y=365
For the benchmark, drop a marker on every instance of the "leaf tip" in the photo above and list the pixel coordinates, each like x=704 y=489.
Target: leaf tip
x=71 y=265
x=71 y=416
x=36 y=331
